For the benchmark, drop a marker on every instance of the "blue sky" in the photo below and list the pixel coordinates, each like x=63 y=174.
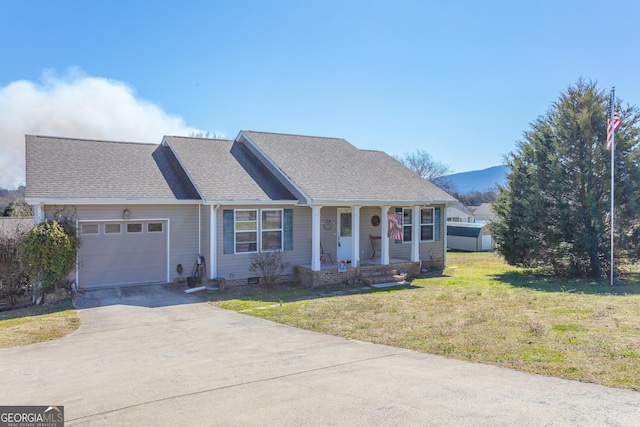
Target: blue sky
x=461 y=80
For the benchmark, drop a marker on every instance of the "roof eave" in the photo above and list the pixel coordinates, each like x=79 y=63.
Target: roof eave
x=355 y=202
x=251 y=202
x=108 y=201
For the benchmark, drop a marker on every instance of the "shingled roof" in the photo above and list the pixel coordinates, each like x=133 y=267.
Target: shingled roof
x=225 y=170
x=331 y=169
x=67 y=168
x=256 y=167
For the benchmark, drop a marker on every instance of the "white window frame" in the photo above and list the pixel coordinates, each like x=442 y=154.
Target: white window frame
x=260 y=228
x=83 y=233
x=281 y=229
x=134 y=232
x=106 y=226
x=432 y=224
x=155 y=231
x=236 y=231
x=409 y=225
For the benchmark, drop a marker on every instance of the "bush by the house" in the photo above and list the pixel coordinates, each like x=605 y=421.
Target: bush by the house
x=13 y=280
x=48 y=253
x=269 y=266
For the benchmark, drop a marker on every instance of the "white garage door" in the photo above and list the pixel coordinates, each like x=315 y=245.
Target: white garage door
x=117 y=253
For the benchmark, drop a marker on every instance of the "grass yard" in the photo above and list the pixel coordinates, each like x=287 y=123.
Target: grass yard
x=36 y=324
x=483 y=310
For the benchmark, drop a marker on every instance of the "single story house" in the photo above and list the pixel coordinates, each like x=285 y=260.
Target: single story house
x=469 y=236
x=147 y=212
x=459 y=213
x=483 y=212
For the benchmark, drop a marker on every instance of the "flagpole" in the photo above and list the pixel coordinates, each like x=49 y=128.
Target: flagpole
x=613 y=148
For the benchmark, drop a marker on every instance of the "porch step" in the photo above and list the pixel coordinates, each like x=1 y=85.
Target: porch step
x=380 y=271
x=383 y=278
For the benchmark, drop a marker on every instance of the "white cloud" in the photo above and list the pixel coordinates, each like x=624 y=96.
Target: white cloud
x=77 y=106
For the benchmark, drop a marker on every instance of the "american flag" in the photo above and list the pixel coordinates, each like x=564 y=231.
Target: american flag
x=612 y=126
x=395 y=225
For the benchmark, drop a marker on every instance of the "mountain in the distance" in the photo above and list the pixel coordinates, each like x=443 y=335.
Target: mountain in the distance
x=480 y=180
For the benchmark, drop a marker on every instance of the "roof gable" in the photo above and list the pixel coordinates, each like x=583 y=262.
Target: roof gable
x=224 y=170
x=331 y=169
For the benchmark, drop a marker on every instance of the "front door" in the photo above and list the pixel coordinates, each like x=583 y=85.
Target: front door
x=345 y=239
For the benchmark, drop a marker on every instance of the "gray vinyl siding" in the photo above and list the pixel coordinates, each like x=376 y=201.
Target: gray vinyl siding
x=433 y=253
x=183 y=223
x=430 y=252
x=367 y=230
x=328 y=238
x=236 y=266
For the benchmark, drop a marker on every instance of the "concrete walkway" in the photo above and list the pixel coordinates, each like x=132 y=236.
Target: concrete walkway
x=153 y=357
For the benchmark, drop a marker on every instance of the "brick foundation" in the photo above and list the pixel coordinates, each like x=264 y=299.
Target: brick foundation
x=311 y=279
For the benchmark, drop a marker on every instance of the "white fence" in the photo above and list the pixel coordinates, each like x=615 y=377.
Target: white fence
x=11 y=225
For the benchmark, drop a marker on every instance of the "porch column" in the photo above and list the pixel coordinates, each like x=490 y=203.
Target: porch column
x=213 y=238
x=355 y=236
x=384 y=234
x=315 y=238
x=38 y=213
x=415 y=237
x=443 y=219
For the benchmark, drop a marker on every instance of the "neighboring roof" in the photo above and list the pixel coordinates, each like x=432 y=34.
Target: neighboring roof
x=485 y=209
x=67 y=168
x=225 y=170
x=328 y=169
x=458 y=211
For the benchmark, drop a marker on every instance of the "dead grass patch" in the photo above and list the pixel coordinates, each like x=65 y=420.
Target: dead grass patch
x=37 y=324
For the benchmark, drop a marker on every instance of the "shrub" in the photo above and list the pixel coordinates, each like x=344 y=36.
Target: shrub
x=269 y=266
x=48 y=253
x=13 y=280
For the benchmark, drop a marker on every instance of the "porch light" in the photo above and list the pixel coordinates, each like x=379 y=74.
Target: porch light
x=125 y=215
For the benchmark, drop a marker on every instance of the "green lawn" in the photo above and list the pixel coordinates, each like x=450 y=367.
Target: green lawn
x=482 y=310
x=38 y=323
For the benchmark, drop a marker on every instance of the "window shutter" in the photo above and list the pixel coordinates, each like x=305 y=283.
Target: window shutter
x=228 y=230
x=436 y=224
x=399 y=211
x=288 y=229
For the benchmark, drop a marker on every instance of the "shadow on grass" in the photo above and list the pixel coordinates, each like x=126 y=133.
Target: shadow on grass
x=301 y=294
x=37 y=310
x=628 y=284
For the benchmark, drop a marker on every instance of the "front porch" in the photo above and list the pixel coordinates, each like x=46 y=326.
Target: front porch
x=375 y=234
x=329 y=273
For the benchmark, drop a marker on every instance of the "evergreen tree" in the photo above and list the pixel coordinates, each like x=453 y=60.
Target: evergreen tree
x=554 y=209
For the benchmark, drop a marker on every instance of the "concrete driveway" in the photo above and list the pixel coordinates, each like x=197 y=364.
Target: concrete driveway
x=154 y=357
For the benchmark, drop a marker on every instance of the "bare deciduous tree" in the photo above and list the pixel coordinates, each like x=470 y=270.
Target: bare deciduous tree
x=424 y=165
